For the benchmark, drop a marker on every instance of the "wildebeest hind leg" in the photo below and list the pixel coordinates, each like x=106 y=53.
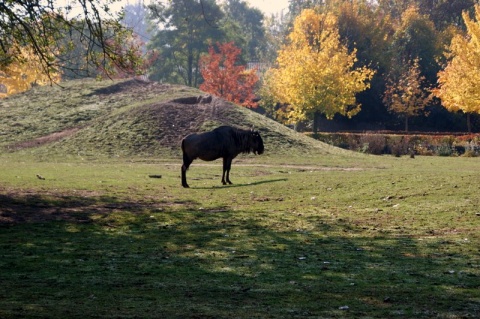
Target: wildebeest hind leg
x=227 y=164
x=186 y=164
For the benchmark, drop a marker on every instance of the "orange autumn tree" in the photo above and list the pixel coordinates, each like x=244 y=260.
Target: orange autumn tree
x=224 y=78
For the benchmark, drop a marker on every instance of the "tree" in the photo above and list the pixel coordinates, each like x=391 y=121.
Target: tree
x=407 y=96
x=363 y=28
x=43 y=26
x=223 y=78
x=416 y=37
x=445 y=13
x=187 y=27
x=131 y=48
x=19 y=75
x=315 y=73
x=244 y=23
x=394 y=8
x=136 y=19
x=459 y=82
x=276 y=30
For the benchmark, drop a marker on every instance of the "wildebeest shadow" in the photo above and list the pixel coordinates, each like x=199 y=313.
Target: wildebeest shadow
x=241 y=185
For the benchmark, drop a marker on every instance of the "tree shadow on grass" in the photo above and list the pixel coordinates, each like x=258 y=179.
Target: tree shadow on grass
x=30 y=208
x=152 y=261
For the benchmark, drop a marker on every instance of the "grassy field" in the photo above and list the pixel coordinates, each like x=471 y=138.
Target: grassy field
x=307 y=230
x=330 y=236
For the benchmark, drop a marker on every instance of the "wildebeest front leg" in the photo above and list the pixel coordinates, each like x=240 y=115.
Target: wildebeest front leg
x=227 y=164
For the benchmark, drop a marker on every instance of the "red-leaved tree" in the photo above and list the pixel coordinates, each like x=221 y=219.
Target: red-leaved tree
x=223 y=78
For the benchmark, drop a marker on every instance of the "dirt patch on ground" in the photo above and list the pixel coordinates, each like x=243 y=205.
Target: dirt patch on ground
x=172 y=119
x=39 y=141
x=175 y=119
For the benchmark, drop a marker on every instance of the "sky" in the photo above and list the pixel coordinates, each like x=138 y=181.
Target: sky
x=269 y=6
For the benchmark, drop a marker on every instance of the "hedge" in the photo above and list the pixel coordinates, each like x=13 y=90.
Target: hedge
x=379 y=143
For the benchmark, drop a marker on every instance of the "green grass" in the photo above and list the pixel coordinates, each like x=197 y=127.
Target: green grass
x=307 y=230
x=294 y=237
x=87 y=105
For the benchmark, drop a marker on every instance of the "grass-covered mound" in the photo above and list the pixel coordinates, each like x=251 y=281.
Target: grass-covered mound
x=128 y=117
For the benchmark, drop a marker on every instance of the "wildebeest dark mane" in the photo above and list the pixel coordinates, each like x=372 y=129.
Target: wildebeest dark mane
x=242 y=139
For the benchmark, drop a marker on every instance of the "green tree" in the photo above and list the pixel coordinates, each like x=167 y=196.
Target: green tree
x=459 y=82
x=394 y=8
x=276 y=31
x=187 y=28
x=244 y=25
x=363 y=28
x=315 y=73
x=445 y=13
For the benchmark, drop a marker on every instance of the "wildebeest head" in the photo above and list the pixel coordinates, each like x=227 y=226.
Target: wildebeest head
x=256 y=142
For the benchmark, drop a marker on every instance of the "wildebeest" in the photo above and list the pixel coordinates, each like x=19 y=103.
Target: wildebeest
x=223 y=142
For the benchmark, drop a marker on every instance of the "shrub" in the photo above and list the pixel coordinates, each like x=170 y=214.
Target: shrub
x=399 y=145
x=471 y=148
x=372 y=143
x=445 y=150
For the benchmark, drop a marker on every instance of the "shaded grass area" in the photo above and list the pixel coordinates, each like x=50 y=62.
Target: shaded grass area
x=390 y=239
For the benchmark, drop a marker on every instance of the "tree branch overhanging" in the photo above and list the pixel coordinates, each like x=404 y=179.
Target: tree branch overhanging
x=46 y=29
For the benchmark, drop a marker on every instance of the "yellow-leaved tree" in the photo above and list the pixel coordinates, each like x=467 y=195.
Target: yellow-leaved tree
x=315 y=73
x=26 y=70
x=407 y=95
x=459 y=82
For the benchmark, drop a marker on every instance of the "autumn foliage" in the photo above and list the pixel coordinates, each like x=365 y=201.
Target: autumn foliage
x=459 y=87
x=24 y=71
x=131 y=62
x=407 y=95
x=315 y=73
x=224 y=78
